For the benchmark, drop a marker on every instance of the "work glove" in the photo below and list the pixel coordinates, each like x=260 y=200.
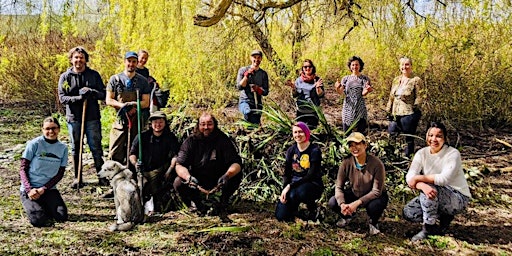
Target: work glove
x=257 y=89
x=249 y=72
x=192 y=182
x=223 y=180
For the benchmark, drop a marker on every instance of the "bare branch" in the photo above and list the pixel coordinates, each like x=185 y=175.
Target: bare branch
x=215 y=16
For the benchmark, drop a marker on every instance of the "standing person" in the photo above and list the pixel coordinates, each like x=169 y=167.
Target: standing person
x=302 y=179
x=403 y=108
x=355 y=87
x=159 y=149
x=208 y=159
x=436 y=171
x=122 y=95
x=79 y=84
x=308 y=89
x=252 y=82
x=366 y=176
x=43 y=164
x=141 y=64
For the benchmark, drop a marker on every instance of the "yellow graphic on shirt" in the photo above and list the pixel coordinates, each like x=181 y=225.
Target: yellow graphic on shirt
x=304 y=161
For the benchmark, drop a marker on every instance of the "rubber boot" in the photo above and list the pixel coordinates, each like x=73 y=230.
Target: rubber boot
x=444 y=222
x=426 y=231
x=75 y=184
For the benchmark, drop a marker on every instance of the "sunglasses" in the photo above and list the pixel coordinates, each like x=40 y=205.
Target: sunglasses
x=51 y=128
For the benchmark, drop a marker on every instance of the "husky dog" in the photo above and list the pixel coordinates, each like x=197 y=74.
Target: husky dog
x=126 y=195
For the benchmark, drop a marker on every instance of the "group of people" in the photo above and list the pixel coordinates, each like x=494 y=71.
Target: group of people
x=208 y=161
x=436 y=171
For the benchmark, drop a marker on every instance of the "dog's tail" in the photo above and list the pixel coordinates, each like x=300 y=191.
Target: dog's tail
x=122 y=227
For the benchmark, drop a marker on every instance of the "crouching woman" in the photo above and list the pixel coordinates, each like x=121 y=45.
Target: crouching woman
x=436 y=170
x=365 y=175
x=302 y=179
x=42 y=166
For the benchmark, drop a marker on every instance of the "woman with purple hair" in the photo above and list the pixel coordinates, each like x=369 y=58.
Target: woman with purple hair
x=302 y=179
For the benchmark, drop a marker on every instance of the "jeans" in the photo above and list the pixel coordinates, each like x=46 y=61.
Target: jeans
x=374 y=208
x=250 y=115
x=306 y=193
x=406 y=125
x=448 y=201
x=49 y=206
x=93 y=133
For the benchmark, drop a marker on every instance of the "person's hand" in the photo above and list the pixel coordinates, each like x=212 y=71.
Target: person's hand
x=223 y=180
x=249 y=72
x=367 y=88
x=319 y=83
x=33 y=194
x=429 y=191
x=412 y=183
x=192 y=182
x=282 y=197
x=257 y=89
x=345 y=209
x=338 y=86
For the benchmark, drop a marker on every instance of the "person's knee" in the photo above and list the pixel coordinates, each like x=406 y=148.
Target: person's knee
x=61 y=214
x=38 y=219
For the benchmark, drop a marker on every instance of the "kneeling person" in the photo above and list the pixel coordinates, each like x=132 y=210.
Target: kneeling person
x=366 y=176
x=159 y=149
x=207 y=159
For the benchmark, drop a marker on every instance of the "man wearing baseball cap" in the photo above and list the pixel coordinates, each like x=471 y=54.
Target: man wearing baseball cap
x=366 y=176
x=159 y=149
x=252 y=82
x=122 y=95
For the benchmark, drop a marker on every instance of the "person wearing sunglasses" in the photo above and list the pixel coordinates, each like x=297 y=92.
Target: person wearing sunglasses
x=43 y=164
x=308 y=89
x=354 y=87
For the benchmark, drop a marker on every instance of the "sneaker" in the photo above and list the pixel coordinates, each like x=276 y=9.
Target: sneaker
x=343 y=222
x=374 y=229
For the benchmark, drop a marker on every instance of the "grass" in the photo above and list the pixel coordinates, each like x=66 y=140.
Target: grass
x=253 y=230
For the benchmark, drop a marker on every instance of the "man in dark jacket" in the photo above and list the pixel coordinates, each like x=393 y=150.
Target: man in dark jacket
x=208 y=160
x=78 y=85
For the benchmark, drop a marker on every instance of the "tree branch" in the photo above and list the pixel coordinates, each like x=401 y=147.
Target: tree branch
x=215 y=16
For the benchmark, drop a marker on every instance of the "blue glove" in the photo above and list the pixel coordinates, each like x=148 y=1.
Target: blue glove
x=223 y=180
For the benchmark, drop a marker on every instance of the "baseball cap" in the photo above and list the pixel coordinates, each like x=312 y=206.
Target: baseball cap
x=256 y=52
x=356 y=137
x=157 y=115
x=131 y=55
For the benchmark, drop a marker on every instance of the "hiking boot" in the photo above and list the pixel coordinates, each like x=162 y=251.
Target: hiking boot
x=109 y=194
x=374 y=229
x=444 y=223
x=76 y=185
x=427 y=230
x=343 y=222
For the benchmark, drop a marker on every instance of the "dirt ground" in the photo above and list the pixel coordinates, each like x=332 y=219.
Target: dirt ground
x=485 y=229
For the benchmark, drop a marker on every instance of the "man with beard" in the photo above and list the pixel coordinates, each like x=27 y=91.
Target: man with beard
x=122 y=95
x=207 y=160
x=252 y=82
x=79 y=85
